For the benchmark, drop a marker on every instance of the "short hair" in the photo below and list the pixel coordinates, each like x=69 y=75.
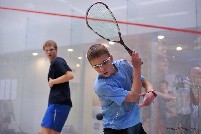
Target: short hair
x=50 y=43
x=97 y=50
x=164 y=81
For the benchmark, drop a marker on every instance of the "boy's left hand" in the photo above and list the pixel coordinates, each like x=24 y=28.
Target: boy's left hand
x=148 y=99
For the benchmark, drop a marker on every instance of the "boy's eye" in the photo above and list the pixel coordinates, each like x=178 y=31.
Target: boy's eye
x=105 y=62
x=97 y=66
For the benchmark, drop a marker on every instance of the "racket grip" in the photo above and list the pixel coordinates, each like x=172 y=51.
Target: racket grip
x=128 y=49
x=130 y=52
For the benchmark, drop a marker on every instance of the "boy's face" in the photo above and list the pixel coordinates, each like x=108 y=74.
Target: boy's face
x=103 y=65
x=50 y=52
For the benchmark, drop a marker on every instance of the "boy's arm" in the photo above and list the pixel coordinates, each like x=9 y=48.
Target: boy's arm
x=134 y=94
x=64 y=78
x=147 y=86
x=149 y=95
x=167 y=96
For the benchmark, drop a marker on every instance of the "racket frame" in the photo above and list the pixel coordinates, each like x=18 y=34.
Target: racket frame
x=115 y=21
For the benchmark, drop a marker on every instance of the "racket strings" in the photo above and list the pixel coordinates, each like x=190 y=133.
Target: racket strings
x=102 y=21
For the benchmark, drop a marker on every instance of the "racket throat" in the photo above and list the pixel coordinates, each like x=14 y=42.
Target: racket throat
x=122 y=43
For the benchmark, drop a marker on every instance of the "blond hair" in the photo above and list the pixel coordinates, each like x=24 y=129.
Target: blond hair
x=50 y=43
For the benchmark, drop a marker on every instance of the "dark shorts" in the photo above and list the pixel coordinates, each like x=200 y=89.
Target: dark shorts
x=55 y=116
x=137 y=129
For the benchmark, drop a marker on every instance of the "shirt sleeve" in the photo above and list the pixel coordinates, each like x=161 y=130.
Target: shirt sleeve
x=62 y=66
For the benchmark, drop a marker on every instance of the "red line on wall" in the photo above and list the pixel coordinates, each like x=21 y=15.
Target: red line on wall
x=121 y=22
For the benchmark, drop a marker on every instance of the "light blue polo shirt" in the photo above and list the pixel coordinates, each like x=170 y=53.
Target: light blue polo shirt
x=112 y=91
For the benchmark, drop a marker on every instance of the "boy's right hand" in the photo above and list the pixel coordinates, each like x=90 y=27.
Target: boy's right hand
x=136 y=60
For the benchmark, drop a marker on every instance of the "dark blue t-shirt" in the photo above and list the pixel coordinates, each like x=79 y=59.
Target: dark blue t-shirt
x=59 y=93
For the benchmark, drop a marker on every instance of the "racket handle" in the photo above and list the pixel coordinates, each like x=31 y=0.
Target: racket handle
x=128 y=49
x=123 y=44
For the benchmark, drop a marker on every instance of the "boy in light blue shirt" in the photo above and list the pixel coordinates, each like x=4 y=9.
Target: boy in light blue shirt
x=118 y=87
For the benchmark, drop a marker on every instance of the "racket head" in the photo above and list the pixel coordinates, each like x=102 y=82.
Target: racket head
x=101 y=21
